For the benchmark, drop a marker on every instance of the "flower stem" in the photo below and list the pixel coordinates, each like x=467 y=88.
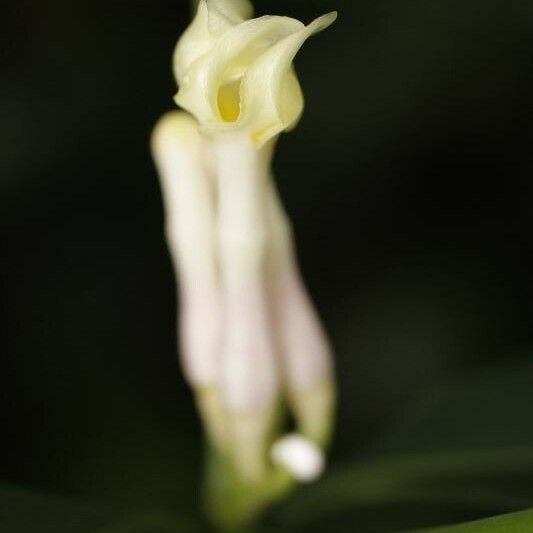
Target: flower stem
x=232 y=504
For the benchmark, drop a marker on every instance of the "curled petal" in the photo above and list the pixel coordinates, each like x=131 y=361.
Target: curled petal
x=196 y=41
x=237 y=75
x=213 y=18
x=271 y=96
x=211 y=88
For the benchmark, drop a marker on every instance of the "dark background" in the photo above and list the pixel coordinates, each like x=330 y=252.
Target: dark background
x=409 y=184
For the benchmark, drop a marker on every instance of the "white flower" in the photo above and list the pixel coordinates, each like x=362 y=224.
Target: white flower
x=249 y=333
x=237 y=75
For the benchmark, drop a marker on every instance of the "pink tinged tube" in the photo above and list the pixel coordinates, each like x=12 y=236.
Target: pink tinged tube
x=188 y=195
x=246 y=318
x=248 y=375
x=306 y=355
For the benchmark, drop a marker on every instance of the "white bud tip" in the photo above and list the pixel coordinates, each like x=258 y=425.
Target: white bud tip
x=301 y=457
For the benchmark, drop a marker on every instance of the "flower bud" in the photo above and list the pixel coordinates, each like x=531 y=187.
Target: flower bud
x=305 y=353
x=188 y=190
x=301 y=457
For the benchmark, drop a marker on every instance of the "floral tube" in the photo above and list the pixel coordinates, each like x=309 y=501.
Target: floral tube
x=250 y=337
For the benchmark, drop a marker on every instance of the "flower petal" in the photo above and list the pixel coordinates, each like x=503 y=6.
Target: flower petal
x=227 y=62
x=271 y=98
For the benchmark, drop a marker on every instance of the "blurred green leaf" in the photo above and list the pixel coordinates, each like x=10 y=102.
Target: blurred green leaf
x=444 y=480
x=156 y=522
x=23 y=511
x=461 y=451
x=510 y=523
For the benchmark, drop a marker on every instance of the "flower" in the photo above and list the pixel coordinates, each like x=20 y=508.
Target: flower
x=236 y=74
x=249 y=334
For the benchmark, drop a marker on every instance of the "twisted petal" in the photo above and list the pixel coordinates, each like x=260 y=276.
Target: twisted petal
x=237 y=74
x=213 y=18
x=272 y=100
